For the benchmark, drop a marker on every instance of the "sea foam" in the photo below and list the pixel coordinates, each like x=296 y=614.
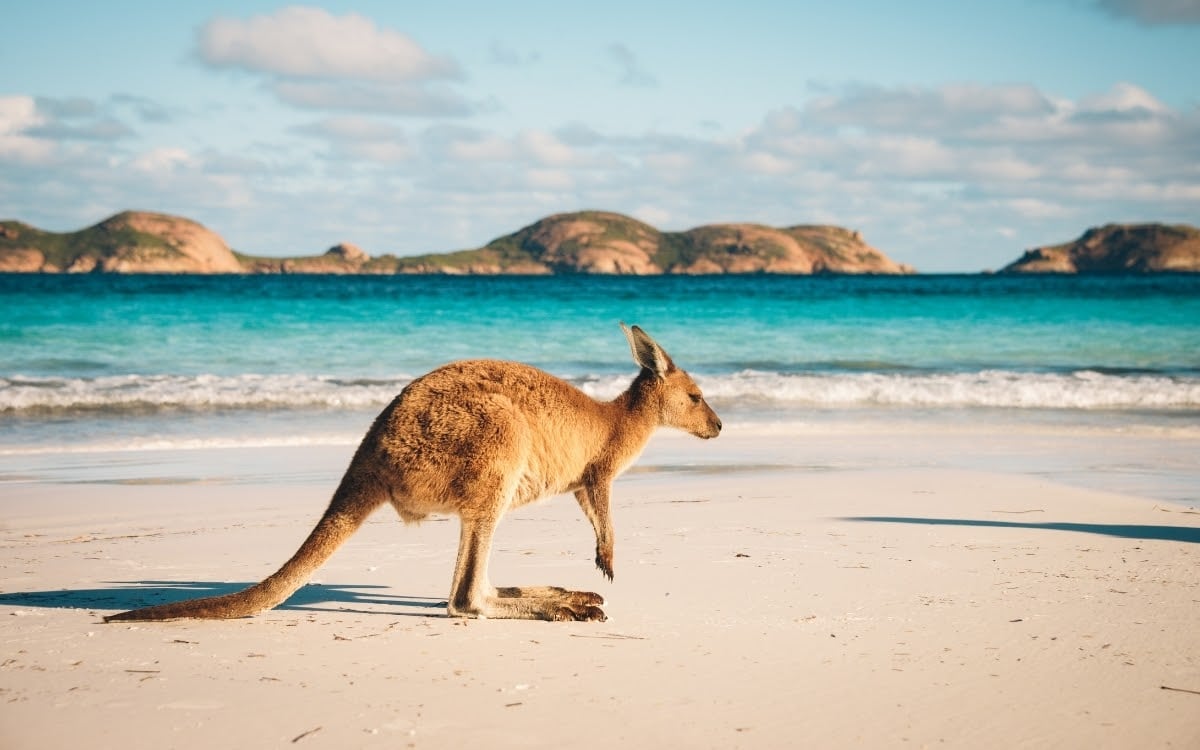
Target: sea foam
x=1083 y=390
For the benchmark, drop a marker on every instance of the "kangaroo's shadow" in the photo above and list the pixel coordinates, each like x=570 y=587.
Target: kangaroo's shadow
x=315 y=597
x=1187 y=534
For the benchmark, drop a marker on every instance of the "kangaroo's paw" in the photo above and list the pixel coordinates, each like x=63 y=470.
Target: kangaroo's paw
x=605 y=567
x=547 y=603
x=604 y=560
x=585 y=599
x=579 y=614
x=556 y=593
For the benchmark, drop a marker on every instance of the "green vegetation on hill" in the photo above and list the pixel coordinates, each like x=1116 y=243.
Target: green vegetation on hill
x=584 y=242
x=103 y=240
x=605 y=242
x=1118 y=249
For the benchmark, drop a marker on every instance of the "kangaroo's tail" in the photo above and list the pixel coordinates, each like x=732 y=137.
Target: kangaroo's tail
x=347 y=511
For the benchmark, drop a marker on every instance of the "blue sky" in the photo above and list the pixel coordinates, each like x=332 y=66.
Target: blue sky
x=953 y=134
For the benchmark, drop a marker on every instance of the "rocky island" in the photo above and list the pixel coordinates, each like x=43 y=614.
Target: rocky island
x=583 y=242
x=130 y=242
x=586 y=242
x=1118 y=249
x=600 y=242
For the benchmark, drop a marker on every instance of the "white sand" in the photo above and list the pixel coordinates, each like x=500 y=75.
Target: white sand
x=921 y=604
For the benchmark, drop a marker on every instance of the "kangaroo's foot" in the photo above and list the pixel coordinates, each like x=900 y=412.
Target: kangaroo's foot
x=583 y=598
x=561 y=604
x=535 y=603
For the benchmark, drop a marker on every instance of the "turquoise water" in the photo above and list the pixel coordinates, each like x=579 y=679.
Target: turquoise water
x=89 y=362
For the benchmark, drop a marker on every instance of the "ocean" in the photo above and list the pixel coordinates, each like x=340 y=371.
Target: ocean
x=108 y=361
x=92 y=363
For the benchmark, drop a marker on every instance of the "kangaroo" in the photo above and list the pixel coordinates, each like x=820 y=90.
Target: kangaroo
x=476 y=439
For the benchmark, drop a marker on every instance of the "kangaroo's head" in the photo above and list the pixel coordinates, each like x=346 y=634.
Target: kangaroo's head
x=680 y=402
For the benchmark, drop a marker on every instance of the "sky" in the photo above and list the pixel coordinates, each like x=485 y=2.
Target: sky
x=954 y=134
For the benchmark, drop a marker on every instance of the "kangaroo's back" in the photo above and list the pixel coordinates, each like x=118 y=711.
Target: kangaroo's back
x=465 y=424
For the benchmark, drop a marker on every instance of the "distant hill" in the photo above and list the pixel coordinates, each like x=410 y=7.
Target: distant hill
x=130 y=242
x=342 y=258
x=598 y=242
x=1118 y=249
x=587 y=242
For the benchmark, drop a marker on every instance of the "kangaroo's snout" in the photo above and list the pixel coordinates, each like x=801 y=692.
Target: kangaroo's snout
x=700 y=420
x=714 y=427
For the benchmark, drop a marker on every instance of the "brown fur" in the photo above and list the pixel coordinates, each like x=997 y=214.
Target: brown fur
x=477 y=439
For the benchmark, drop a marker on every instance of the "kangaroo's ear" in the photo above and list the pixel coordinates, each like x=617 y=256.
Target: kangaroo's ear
x=646 y=352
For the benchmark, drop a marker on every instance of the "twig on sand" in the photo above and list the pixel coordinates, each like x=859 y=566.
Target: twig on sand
x=611 y=636
x=302 y=735
x=1189 y=511
x=1180 y=690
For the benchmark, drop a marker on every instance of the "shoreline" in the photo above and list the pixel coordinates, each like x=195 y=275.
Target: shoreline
x=870 y=594
x=520 y=276
x=1153 y=460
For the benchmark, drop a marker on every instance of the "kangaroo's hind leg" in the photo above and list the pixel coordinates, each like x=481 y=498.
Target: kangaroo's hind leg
x=594 y=502
x=471 y=595
x=471 y=592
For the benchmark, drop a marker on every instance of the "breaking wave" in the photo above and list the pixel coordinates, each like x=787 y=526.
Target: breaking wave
x=151 y=393
x=1082 y=390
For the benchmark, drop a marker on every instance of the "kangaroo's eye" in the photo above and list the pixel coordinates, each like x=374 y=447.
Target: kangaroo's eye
x=695 y=397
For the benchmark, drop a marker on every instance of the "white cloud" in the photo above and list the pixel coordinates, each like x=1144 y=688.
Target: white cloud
x=361 y=139
x=163 y=161
x=504 y=54
x=24 y=150
x=49 y=130
x=545 y=148
x=18 y=116
x=1154 y=12
x=670 y=165
x=630 y=70
x=76 y=106
x=902 y=155
x=380 y=152
x=1034 y=208
x=480 y=148
x=653 y=215
x=306 y=42
x=1123 y=97
x=78 y=119
x=534 y=148
x=352 y=128
x=973 y=176
x=1000 y=168
x=401 y=99
x=764 y=163
x=315 y=60
x=550 y=179
x=146 y=109
x=942 y=109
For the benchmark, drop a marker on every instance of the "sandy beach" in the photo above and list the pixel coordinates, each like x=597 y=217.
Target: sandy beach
x=955 y=588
